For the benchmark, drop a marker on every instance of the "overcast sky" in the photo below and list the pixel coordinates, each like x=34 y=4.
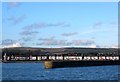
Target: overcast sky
x=60 y=24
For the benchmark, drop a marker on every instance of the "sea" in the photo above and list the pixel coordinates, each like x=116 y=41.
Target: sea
x=36 y=71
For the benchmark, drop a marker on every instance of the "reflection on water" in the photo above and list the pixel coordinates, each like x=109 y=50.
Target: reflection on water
x=36 y=71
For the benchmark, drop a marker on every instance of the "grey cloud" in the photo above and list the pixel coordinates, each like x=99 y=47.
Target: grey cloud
x=17 y=20
x=83 y=42
x=53 y=41
x=26 y=39
x=55 y=24
x=13 y=4
x=42 y=25
x=8 y=42
x=45 y=39
x=69 y=34
x=29 y=33
x=98 y=24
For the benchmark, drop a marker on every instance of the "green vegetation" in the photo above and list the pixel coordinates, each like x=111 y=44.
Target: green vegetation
x=25 y=51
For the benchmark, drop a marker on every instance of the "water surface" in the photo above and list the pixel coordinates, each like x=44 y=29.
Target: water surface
x=36 y=71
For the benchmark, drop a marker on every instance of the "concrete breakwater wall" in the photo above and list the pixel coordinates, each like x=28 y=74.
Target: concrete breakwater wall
x=61 y=64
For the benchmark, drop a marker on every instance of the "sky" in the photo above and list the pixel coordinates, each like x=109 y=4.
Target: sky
x=60 y=24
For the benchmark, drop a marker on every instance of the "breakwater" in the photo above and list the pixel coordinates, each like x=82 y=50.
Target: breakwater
x=62 y=57
x=61 y=64
x=58 y=61
x=77 y=61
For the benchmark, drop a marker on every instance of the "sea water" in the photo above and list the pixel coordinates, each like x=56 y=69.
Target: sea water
x=36 y=71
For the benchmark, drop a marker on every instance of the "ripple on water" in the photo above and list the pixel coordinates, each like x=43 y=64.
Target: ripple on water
x=36 y=71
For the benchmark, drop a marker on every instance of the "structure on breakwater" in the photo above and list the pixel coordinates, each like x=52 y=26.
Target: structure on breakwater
x=63 y=57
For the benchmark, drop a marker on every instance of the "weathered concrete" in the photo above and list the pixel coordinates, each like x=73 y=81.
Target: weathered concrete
x=48 y=64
